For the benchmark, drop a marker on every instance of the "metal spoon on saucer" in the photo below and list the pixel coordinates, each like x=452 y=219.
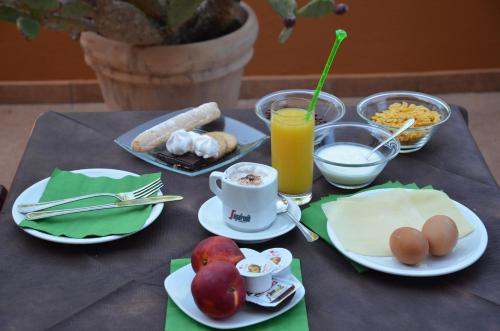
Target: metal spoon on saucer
x=282 y=207
x=405 y=126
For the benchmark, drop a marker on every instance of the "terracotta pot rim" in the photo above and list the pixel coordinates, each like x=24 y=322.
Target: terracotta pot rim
x=176 y=79
x=249 y=22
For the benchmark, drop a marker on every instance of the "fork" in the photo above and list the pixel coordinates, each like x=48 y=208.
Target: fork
x=142 y=192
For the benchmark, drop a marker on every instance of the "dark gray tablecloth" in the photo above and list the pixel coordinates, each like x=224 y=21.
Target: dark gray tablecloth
x=119 y=285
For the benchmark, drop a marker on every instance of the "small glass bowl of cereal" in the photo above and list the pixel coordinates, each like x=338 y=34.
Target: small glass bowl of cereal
x=329 y=109
x=389 y=110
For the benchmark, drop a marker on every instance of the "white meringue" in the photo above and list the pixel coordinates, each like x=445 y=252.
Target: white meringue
x=181 y=142
x=206 y=146
x=194 y=136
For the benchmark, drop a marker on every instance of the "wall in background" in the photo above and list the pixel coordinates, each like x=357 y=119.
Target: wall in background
x=384 y=36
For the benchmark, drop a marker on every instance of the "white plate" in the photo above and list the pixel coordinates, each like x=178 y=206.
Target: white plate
x=35 y=191
x=178 y=286
x=467 y=251
x=210 y=217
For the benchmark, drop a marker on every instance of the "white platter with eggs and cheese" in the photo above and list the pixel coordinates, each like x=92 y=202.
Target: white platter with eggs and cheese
x=468 y=249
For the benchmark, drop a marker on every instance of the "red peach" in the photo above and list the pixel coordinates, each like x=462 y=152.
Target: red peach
x=218 y=289
x=215 y=248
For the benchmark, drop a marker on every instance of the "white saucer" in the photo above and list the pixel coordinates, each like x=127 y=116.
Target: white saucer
x=35 y=191
x=467 y=251
x=178 y=286
x=210 y=217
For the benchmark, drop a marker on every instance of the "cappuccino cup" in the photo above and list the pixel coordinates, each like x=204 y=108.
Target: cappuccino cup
x=248 y=194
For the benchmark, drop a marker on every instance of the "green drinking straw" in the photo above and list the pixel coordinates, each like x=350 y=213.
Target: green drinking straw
x=340 y=35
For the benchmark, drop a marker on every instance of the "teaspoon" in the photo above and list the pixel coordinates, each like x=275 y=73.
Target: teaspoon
x=405 y=126
x=282 y=207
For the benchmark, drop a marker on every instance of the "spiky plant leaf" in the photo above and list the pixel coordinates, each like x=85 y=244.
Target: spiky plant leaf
x=152 y=8
x=316 y=8
x=9 y=14
x=124 y=22
x=29 y=27
x=42 y=4
x=76 y=8
x=284 y=8
x=285 y=34
x=179 y=11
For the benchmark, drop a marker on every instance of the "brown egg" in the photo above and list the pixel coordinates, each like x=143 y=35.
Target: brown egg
x=442 y=234
x=409 y=245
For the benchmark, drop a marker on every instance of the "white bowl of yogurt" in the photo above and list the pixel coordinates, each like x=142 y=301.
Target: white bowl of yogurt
x=343 y=157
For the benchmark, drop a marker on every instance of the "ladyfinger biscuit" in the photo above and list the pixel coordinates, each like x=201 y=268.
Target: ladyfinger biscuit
x=188 y=120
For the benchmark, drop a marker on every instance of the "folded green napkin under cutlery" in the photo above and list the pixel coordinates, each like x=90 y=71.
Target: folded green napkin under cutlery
x=116 y=221
x=316 y=220
x=293 y=320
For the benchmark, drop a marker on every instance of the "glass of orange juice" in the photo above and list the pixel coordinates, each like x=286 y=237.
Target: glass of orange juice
x=292 y=147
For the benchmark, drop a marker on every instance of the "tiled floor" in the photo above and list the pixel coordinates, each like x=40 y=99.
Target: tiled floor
x=16 y=122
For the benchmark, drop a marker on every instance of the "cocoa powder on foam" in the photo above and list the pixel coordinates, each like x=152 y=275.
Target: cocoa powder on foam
x=252 y=176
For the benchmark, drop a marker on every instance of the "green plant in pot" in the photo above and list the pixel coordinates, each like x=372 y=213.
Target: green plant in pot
x=161 y=54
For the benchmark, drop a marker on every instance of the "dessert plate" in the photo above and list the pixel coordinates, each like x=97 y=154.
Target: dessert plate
x=467 y=251
x=248 y=140
x=210 y=217
x=35 y=191
x=178 y=287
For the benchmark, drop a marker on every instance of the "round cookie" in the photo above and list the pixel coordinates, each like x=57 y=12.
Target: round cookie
x=231 y=142
x=220 y=140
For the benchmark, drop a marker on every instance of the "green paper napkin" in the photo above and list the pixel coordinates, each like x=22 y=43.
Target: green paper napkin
x=293 y=320
x=65 y=184
x=314 y=218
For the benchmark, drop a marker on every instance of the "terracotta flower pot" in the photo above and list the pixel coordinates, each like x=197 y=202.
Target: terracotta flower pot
x=171 y=77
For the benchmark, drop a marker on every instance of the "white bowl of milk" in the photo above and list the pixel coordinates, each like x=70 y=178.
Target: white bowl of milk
x=343 y=155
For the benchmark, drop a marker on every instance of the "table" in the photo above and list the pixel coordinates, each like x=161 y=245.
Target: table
x=119 y=285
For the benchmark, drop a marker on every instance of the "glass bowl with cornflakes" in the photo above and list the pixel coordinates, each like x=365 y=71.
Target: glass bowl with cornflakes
x=389 y=111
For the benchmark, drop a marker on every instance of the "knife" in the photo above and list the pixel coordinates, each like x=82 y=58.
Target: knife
x=128 y=203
